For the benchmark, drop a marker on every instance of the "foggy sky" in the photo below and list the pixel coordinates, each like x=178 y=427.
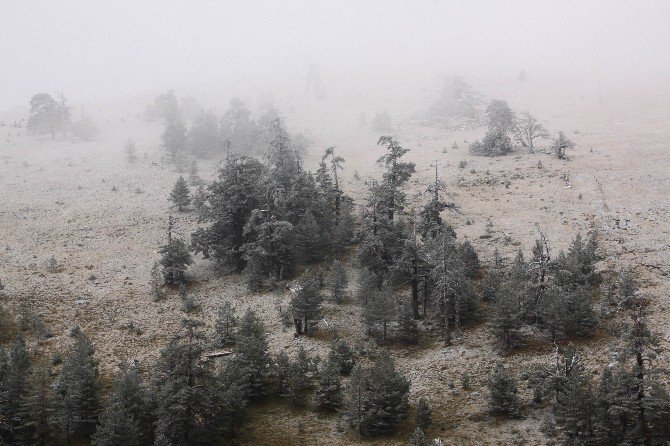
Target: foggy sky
x=99 y=49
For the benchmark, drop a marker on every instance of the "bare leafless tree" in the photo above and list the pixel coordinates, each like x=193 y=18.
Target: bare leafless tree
x=528 y=129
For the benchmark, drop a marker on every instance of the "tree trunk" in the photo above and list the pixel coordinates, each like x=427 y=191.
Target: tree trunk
x=298 y=326
x=415 y=297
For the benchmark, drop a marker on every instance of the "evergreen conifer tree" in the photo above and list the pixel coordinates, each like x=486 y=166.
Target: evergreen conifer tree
x=180 y=195
x=503 y=398
x=423 y=415
x=77 y=389
x=338 y=281
x=225 y=326
x=329 y=392
x=175 y=259
x=341 y=354
x=306 y=304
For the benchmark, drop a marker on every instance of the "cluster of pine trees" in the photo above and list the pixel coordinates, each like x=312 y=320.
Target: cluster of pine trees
x=203 y=134
x=623 y=403
x=268 y=219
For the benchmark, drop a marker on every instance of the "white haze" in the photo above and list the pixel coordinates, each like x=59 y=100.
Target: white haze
x=103 y=49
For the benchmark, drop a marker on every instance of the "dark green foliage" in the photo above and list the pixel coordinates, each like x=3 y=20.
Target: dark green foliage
x=503 y=398
x=309 y=239
x=251 y=364
x=418 y=438
x=408 y=329
x=14 y=390
x=577 y=267
x=628 y=288
x=506 y=318
x=126 y=418
x=491 y=284
x=116 y=427
x=306 y=303
x=377 y=397
x=493 y=144
x=282 y=370
x=184 y=385
x=227 y=207
x=270 y=250
x=568 y=313
x=300 y=374
x=342 y=355
x=398 y=172
x=329 y=393
x=77 y=389
x=470 y=259
x=175 y=259
x=423 y=415
x=225 y=325
x=338 y=281
x=576 y=407
x=204 y=139
x=38 y=408
x=455 y=300
x=379 y=312
x=500 y=122
x=180 y=195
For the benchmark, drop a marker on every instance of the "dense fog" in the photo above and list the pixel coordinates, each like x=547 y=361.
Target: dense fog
x=124 y=48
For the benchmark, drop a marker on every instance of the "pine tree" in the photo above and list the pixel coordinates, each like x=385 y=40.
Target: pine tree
x=184 y=396
x=270 y=250
x=252 y=361
x=134 y=398
x=230 y=202
x=180 y=194
x=418 y=438
x=116 y=427
x=503 y=398
x=423 y=415
x=308 y=238
x=380 y=312
x=306 y=304
x=506 y=319
x=299 y=378
x=378 y=397
x=174 y=139
x=329 y=393
x=175 y=260
x=282 y=370
x=576 y=407
x=37 y=411
x=341 y=355
x=398 y=172
x=77 y=389
x=226 y=323
x=204 y=139
x=130 y=150
x=338 y=281
x=14 y=386
x=408 y=329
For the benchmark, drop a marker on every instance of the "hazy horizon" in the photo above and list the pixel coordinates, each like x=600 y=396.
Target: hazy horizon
x=97 y=50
